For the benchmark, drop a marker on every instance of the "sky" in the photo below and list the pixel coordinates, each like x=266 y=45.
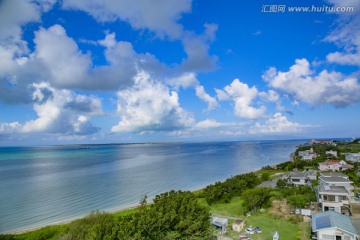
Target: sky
x=120 y=71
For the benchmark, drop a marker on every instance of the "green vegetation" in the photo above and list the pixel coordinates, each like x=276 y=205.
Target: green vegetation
x=172 y=216
x=269 y=225
x=299 y=196
x=234 y=186
x=256 y=198
x=233 y=209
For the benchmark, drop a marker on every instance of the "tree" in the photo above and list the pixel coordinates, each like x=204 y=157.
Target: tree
x=281 y=183
x=256 y=198
x=298 y=201
x=265 y=176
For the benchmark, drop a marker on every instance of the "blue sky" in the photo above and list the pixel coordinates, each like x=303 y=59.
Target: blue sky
x=177 y=70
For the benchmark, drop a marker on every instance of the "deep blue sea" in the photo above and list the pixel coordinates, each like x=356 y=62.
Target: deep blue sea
x=46 y=185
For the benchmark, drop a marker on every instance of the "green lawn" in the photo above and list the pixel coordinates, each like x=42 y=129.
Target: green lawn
x=269 y=225
x=233 y=208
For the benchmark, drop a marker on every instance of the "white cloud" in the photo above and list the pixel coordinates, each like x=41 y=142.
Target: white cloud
x=242 y=96
x=149 y=106
x=67 y=67
x=212 y=103
x=185 y=80
x=344 y=58
x=274 y=97
x=16 y=13
x=159 y=16
x=65 y=62
x=208 y=123
x=8 y=128
x=315 y=89
x=346 y=34
x=58 y=112
x=277 y=124
x=109 y=41
x=188 y=79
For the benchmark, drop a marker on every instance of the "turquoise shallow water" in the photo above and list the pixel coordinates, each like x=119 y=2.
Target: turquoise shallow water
x=46 y=185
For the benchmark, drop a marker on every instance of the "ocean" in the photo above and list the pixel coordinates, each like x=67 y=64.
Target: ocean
x=46 y=185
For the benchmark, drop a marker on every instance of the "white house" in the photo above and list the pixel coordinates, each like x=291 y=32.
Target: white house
x=307 y=154
x=353 y=157
x=332 y=225
x=334 y=192
x=302 y=178
x=331 y=152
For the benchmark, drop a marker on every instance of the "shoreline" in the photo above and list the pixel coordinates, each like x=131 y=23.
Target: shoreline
x=113 y=210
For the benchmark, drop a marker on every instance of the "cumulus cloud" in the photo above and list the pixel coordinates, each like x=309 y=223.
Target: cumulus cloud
x=188 y=79
x=70 y=68
x=58 y=111
x=16 y=71
x=8 y=128
x=208 y=123
x=243 y=96
x=346 y=35
x=277 y=124
x=211 y=101
x=315 y=89
x=149 y=106
x=26 y=11
x=274 y=97
x=63 y=113
x=65 y=62
x=67 y=67
x=159 y=16
x=185 y=80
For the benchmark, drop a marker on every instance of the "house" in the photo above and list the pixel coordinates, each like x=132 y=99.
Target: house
x=302 y=178
x=332 y=225
x=221 y=223
x=238 y=225
x=334 y=165
x=334 y=153
x=334 y=192
x=353 y=157
x=307 y=154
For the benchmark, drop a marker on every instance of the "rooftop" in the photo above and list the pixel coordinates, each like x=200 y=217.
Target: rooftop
x=331 y=219
x=335 y=179
x=333 y=189
x=302 y=174
x=330 y=162
x=332 y=174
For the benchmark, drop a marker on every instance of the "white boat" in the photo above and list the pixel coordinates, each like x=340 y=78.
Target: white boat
x=276 y=236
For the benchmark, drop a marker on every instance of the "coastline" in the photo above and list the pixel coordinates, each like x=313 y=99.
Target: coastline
x=111 y=211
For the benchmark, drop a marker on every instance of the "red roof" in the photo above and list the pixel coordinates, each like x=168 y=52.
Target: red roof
x=331 y=162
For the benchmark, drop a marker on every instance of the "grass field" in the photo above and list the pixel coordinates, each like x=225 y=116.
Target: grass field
x=233 y=208
x=269 y=225
x=265 y=221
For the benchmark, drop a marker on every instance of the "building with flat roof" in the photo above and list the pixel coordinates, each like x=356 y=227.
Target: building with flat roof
x=302 y=178
x=334 y=192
